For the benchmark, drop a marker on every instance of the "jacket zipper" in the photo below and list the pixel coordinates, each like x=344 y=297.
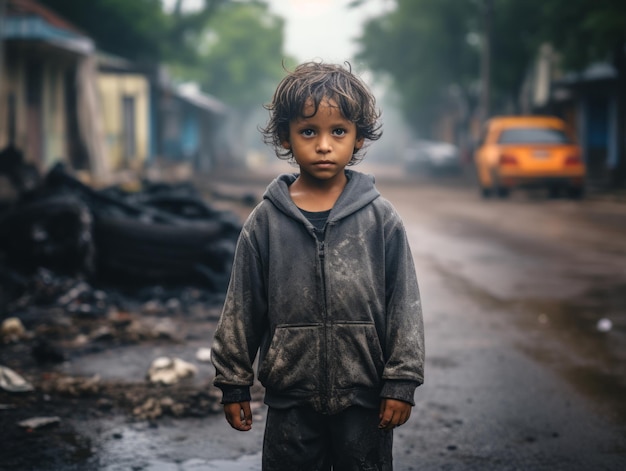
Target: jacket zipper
x=325 y=340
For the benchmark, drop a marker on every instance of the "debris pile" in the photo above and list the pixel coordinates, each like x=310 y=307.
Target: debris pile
x=86 y=271
x=13 y=382
x=156 y=232
x=165 y=370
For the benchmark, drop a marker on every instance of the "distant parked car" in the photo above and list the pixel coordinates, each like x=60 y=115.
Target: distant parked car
x=432 y=156
x=528 y=151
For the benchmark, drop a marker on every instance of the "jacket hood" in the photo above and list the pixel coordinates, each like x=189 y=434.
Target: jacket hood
x=359 y=192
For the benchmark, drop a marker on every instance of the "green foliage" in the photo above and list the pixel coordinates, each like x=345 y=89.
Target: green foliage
x=583 y=30
x=431 y=46
x=423 y=45
x=241 y=58
x=233 y=49
x=514 y=45
x=139 y=29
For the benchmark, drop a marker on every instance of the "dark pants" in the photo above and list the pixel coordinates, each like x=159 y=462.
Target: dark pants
x=300 y=439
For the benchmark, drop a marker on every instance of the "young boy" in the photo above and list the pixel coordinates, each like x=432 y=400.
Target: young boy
x=323 y=287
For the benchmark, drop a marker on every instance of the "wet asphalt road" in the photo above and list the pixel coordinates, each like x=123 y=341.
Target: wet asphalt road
x=518 y=376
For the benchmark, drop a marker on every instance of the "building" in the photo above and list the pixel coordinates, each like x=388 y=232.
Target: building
x=48 y=102
x=103 y=116
x=587 y=100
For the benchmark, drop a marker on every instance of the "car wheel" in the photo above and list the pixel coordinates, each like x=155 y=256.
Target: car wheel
x=485 y=192
x=554 y=191
x=503 y=192
x=575 y=192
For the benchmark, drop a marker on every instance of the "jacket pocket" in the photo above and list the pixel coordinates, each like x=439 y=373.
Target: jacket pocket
x=358 y=357
x=292 y=361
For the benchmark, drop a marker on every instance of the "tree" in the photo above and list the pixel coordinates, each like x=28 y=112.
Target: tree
x=423 y=45
x=514 y=45
x=139 y=29
x=430 y=47
x=584 y=31
x=240 y=61
x=240 y=58
x=233 y=49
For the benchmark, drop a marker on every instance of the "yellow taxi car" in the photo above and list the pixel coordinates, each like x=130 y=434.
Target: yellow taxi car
x=528 y=151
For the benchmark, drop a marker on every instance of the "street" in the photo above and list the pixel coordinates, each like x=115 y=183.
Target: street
x=525 y=313
x=136 y=138
x=518 y=376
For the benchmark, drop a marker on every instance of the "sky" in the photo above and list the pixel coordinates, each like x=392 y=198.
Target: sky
x=324 y=29
x=319 y=29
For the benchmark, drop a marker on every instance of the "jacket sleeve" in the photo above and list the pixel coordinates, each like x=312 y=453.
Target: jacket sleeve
x=241 y=325
x=404 y=342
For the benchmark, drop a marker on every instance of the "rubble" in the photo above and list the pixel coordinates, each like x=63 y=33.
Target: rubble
x=39 y=422
x=203 y=355
x=45 y=352
x=154 y=408
x=604 y=325
x=12 y=382
x=74 y=387
x=86 y=271
x=165 y=370
x=158 y=232
x=12 y=330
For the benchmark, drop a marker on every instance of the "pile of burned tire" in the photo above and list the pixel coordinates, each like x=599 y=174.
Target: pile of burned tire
x=158 y=233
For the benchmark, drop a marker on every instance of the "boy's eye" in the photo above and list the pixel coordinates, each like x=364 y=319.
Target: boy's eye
x=339 y=131
x=307 y=132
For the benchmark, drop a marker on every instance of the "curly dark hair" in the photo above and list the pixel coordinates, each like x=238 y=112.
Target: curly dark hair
x=317 y=81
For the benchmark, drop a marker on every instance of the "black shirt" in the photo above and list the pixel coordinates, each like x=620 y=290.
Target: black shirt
x=318 y=219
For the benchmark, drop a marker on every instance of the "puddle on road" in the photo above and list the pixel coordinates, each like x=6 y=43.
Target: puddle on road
x=189 y=444
x=244 y=463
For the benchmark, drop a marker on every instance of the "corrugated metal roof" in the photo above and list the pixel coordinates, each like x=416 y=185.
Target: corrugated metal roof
x=32 y=7
x=29 y=20
x=192 y=94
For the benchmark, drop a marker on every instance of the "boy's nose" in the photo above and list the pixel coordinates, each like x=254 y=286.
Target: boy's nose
x=323 y=144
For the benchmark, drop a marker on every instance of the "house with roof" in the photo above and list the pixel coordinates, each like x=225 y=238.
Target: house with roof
x=63 y=100
x=587 y=100
x=149 y=121
x=48 y=102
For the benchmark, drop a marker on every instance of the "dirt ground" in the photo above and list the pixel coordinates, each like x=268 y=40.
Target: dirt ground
x=100 y=371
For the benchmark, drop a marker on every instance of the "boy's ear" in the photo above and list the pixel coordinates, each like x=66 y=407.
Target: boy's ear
x=286 y=144
x=359 y=143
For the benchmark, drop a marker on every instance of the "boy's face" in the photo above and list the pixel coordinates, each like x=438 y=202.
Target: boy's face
x=322 y=144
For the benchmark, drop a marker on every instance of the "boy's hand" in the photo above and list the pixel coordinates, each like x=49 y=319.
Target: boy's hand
x=239 y=415
x=393 y=413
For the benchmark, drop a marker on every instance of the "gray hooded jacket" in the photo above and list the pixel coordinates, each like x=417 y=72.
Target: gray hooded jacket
x=336 y=320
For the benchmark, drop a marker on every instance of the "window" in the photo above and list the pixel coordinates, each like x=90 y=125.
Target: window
x=533 y=136
x=128 y=110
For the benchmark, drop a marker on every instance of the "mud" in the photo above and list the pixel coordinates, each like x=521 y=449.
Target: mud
x=111 y=416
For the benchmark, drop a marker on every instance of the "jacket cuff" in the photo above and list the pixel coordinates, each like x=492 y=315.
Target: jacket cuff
x=401 y=390
x=232 y=394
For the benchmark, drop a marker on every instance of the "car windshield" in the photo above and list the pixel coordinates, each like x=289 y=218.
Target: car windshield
x=533 y=136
